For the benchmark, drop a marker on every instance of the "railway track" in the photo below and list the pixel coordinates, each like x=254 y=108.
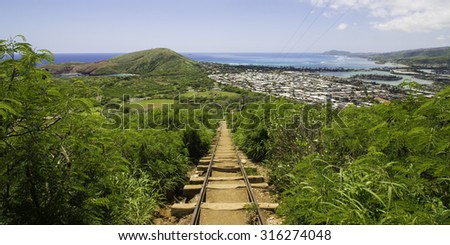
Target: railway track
x=222 y=191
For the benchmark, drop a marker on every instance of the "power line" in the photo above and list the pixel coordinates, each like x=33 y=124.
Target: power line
x=298 y=29
x=310 y=25
x=329 y=29
x=283 y=53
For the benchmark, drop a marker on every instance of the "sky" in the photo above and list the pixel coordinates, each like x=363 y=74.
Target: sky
x=278 y=26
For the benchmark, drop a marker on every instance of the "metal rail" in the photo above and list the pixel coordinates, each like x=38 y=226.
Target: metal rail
x=196 y=215
x=250 y=191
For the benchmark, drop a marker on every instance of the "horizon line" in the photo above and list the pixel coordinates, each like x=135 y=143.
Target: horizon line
x=255 y=52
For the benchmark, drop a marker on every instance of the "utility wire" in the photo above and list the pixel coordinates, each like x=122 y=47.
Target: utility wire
x=310 y=26
x=328 y=30
x=298 y=29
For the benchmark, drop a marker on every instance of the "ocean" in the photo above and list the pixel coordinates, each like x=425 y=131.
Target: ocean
x=299 y=60
x=79 y=57
x=348 y=74
x=266 y=59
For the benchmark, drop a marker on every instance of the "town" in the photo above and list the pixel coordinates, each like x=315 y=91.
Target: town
x=310 y=87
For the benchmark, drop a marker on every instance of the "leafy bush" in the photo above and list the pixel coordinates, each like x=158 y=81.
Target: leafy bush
x=387 y=165
x=59 y=165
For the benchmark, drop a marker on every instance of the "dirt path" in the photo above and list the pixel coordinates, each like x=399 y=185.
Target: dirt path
x=225 y=191
x=226 y=199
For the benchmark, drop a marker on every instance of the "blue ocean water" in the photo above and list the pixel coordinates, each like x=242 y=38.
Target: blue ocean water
x=79 y=57
x=310 y=60
x=266 y=59
x=385 y=73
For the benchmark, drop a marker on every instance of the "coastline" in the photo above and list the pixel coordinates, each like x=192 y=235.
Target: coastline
x=292 y=60
x=338 y=65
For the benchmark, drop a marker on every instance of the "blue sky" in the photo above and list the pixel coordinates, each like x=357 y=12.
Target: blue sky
x=281 y=26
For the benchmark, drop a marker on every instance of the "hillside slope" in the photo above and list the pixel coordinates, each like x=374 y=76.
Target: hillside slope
x=159 y=61
x=436 y=57
x=431 y=56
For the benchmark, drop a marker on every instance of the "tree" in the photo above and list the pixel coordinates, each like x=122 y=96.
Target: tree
x=41 y=147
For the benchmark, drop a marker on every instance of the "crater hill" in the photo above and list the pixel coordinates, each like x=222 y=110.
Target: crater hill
x=160 y=61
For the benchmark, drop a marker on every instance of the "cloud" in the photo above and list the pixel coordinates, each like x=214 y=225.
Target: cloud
x=399 y=15
x=342 y=26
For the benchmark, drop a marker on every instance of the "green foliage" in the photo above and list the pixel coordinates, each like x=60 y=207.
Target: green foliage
x=133 y=200
x=59 y=165
x=250 y=131
x=154 y=61
x=197 y=142
x=387 y=165
x=157 y=73
x=164 y=157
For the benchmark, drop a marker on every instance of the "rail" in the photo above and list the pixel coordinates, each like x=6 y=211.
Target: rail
x=202 y=197
x=250 y=193
x=196 y=215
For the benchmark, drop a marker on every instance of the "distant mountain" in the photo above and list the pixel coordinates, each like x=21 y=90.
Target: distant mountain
x=159 y=61
x=338 y=52
x=439 y=57
x=348 y=54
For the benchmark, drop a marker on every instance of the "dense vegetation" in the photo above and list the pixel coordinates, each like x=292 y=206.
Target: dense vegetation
x=156 y=87
x=65 y=158
x=155 y=61
x=112 y=150
x=385 y=164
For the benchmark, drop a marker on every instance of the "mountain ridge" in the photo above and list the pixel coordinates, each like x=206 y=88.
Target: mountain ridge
x=438 y=56
x=158 y=61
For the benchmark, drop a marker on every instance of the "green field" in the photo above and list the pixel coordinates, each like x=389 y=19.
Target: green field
x=210 y=94
x=157 y=103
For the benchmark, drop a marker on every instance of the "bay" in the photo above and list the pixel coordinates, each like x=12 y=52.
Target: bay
x=310 y=60
x=374 y=72
x=298 y=60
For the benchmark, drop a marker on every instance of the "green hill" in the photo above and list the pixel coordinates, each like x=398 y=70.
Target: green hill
x=159 y=61
x=430 y=56
x=436 y=57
